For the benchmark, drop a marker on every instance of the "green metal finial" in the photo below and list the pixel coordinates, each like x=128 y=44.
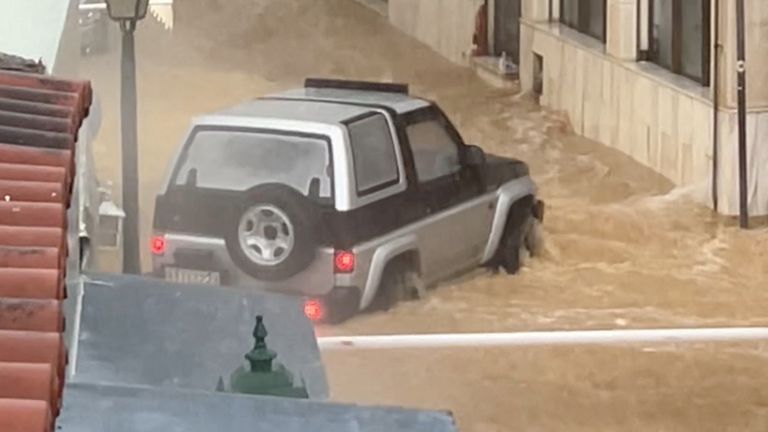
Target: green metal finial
x=260 y=357
x=263 y=377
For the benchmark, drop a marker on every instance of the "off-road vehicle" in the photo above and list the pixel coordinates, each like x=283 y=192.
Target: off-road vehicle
x=352 y=194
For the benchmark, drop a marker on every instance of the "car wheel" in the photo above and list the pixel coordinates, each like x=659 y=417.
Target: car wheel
x=273 y=234
x=398 y=284
x=521 y=240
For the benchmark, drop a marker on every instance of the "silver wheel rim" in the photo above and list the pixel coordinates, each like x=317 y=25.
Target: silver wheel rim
x=266 y=235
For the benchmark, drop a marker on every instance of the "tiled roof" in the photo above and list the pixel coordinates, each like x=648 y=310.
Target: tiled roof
x=39 y=119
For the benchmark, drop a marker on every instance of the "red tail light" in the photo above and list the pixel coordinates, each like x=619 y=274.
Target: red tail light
x=158 y=245
x=344 y=262
x=314 y=310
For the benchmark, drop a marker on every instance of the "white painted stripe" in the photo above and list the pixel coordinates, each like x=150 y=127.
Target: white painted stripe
x=544 y=338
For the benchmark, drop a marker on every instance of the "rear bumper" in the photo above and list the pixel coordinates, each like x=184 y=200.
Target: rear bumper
x=339 y=305
x=199 y=253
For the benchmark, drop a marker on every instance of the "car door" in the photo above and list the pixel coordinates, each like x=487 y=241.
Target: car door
x=454 y=232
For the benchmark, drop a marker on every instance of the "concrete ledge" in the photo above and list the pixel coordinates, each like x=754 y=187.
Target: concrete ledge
x=488 y=69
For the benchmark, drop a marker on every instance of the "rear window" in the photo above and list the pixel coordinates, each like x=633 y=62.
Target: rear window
x=239 y=160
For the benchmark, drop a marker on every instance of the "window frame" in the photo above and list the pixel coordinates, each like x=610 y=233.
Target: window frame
x=582 y=26
x=648 y=49
x=432 y=114
x=178 y=162
x=395 y=151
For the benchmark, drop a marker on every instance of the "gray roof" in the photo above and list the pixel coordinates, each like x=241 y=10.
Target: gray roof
x=106 y=408
x=317 y=112
x=399 y=102
x=142 y=331
x=327 y=106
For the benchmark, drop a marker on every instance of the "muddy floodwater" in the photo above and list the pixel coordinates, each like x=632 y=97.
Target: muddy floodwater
x=624 y=248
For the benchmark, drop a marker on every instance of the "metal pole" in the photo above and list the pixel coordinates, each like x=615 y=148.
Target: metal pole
x=130 y=158
x=715 y=109
x=545 y=338
x=742 y=114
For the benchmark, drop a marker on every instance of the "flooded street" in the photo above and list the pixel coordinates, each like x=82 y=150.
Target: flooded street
x=624 y=248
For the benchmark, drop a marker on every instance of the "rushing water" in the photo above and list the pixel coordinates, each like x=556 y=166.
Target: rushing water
x=624 y=248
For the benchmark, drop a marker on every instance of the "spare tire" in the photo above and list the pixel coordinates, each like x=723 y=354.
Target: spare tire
x=273 y=233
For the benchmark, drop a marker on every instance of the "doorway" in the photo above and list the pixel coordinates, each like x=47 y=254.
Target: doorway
x=506 y=29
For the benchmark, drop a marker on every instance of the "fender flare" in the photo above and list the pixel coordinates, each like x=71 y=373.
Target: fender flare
x=508 y=194
x=381 y=258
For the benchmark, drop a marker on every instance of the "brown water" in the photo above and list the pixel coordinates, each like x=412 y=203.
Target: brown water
x=624 y=248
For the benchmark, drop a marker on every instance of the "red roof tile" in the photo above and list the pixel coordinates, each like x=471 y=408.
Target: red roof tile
x=32 y=191
x=39 y=120
x=32 y=214
x=31 y=314
x=35 y=381
x=32 y=173
x=18 y=415
x=33 y=347
x=31 y=236
x=31 y=283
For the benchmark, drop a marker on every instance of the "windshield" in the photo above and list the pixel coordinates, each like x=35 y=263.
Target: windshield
x=240 y=160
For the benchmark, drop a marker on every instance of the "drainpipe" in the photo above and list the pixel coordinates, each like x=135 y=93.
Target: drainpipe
x=715 y=106
x=742 y=114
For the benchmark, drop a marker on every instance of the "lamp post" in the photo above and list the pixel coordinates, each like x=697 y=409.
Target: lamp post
x=128 y=13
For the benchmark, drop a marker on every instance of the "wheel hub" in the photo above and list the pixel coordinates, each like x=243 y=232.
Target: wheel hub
x=266 y=235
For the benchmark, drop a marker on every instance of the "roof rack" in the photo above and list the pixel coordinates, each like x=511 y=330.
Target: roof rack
x=322 y=83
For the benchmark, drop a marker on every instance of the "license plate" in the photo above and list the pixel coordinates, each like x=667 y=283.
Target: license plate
x=192 y=276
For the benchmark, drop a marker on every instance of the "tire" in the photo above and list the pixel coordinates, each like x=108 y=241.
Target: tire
x=396 y=286
x=273 y=234
x=522 y=239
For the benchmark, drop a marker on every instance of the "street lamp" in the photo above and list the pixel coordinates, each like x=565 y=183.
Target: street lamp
x=127 y=13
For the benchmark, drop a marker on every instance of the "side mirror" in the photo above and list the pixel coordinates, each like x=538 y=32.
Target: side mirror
x=474 y=156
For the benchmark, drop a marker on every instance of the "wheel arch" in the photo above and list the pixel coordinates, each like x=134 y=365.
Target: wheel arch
x=401 y=248
x=510 y=195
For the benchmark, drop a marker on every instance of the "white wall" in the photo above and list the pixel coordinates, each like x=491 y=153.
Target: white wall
x=447 y=26
x=35 y=28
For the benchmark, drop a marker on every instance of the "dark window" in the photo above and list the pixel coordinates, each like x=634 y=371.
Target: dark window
x=240 y=160
x=586 y=16
x=435 y=152
x=374 y=153
x=679 y=37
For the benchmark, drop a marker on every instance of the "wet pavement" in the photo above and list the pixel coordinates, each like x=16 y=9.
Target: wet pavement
x=624 y=248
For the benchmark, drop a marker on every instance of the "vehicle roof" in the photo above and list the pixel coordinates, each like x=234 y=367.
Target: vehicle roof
x=327 y=106
x=315 y=112
x=400 y=102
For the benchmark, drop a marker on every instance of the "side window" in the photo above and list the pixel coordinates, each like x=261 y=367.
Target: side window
x=374 y=153
x=435 y=152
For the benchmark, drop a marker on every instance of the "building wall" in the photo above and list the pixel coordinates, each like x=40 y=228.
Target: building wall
x=38 y=29
x=68 y=53
x=660 y=119
x=447 y=26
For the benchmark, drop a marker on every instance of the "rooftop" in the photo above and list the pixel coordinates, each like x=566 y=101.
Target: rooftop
x=39 y=120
